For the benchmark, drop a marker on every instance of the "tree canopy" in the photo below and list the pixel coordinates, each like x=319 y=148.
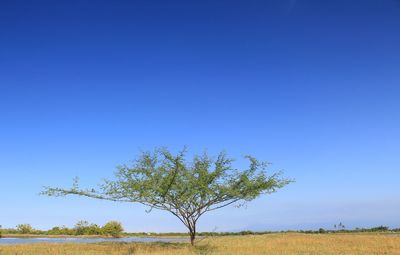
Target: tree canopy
x=166 y=181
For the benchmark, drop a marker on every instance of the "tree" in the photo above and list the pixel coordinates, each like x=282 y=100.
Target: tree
x=81 y=227
x=24 y=228
x=162 y=180
x=113 y=228
x=85 y=228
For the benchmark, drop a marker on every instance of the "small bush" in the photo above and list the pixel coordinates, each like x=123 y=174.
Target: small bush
x=113 y=228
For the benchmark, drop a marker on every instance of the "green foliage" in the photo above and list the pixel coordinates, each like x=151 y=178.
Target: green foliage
x=61 y=231
x=161 y=180
x=113 y=228
x=85 y=228
x=24 y=228
x=380 y=229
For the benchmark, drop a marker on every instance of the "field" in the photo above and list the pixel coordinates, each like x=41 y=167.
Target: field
x=271 y=244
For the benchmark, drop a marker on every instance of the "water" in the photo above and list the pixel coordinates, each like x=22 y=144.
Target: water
x=90 y=240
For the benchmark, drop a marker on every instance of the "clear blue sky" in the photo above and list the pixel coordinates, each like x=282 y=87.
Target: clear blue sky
x=311 y=86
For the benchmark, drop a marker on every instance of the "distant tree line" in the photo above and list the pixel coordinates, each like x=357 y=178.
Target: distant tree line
x=249 y=232
x=112 y=228
x=115 y=229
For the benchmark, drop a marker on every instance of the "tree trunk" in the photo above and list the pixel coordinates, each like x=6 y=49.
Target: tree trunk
x=192 y=230
x=192 y=237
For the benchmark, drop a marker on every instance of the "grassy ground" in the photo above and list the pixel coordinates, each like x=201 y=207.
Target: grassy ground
x=272 y=244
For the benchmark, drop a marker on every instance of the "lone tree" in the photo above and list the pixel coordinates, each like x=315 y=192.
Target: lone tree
x=162 y=180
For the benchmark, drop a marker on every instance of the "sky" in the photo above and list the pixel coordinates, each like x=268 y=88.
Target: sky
x=311 y=86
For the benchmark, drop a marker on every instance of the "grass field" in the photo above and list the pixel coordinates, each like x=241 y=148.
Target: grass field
x=272 y=244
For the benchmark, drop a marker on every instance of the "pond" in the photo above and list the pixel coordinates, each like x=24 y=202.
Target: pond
x=90 y=240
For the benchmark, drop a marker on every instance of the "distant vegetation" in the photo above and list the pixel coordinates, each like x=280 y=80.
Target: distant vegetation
x=112 y=228
x=115 y=229
x=248 y=232
x=320 y=231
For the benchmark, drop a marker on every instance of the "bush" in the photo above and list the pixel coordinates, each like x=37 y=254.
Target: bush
x=24 y=228
x=84 y=228
x=380 y=229
x=113 y=228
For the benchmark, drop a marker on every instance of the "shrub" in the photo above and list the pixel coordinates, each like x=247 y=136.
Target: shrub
x=84 y=228
x=113 y=228
x=24 y=228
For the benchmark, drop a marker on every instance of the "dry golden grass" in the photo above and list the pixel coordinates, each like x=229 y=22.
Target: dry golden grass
x=272 y=244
